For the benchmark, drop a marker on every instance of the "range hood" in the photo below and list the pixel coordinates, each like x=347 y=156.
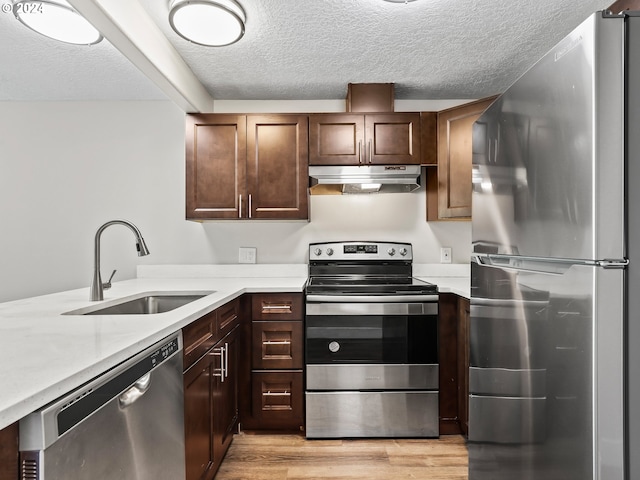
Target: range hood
x=364 y=179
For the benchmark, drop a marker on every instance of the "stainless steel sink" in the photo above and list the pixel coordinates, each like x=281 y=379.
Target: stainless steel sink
x=143 y=304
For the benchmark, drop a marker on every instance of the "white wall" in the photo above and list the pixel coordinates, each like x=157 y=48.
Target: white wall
x=66 y=168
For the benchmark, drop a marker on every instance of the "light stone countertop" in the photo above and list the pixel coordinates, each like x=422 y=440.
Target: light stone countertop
x=450 y=278
x=45 y=354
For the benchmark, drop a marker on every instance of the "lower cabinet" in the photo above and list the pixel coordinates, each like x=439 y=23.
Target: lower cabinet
x=210 y=389
x=464 y=314
x=453 y=337
x=9 y=457
x=274 y=396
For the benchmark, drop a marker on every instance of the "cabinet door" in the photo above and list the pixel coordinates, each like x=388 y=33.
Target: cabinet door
x=215 y=165
x=9 y=457
x=198 y=418
x=278 y=166
x=448 y=364
x=225 y=397
x=455 y=129
x=392 y=138
x=336 y=139
x=464 y=314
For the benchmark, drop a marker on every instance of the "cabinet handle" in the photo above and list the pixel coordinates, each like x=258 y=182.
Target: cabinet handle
x=360 y=151
x=223 y=325
x=219 y=352
x=250 y=205
x=276 y=394
x=276 y=308
x=239 y=206
x=276 y=342
x=370 y=151
x=226 y=361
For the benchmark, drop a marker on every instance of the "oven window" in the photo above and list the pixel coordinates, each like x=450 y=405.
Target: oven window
x=372 y=339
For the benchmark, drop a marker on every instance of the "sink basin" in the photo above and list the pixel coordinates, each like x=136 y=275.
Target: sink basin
x=143 y=304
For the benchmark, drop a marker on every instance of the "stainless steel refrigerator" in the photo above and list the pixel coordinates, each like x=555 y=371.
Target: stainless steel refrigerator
x=554 y=374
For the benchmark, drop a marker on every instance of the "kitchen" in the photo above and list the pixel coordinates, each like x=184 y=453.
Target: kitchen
x=123 y=160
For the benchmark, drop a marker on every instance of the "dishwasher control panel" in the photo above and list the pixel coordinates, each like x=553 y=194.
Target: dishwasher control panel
x=164 y=352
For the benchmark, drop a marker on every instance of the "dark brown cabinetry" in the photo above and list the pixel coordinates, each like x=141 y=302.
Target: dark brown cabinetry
x=210 y=389
x=9 y=459
x=449 y=184
x=357 y=139
x=464 y=312
x=246 y=166
x=453 y=337
x=276 y=381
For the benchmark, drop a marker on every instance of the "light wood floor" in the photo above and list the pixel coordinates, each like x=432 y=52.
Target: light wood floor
x=291 y=457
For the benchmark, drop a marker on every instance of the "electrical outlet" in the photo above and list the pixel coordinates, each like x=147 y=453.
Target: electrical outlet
x=445 y=255
x=247 y=255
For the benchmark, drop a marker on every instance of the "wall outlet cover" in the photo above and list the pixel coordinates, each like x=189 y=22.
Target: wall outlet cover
x=247 y=255
x=445 y=255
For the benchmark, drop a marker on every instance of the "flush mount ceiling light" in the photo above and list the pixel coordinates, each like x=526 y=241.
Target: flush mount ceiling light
x=212 y=23
x=56 y=19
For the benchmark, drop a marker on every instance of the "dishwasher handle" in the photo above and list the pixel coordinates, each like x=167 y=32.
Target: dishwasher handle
x=138 y=389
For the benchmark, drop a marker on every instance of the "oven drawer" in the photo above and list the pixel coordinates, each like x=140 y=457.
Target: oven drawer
x=372 y=377
x=371 y=414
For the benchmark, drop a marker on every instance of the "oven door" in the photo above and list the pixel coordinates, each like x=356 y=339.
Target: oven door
x=371 y=333
x=372 y=346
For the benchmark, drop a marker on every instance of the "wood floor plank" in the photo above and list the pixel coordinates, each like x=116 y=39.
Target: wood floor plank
x=292 y=457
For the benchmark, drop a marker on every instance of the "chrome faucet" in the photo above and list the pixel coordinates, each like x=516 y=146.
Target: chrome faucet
x=97 y=287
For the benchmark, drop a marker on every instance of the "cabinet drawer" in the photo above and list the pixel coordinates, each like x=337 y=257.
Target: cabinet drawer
x=198 y=337
x=278 y=399
x=227 y=317
x=277 y=306
x=277 y=345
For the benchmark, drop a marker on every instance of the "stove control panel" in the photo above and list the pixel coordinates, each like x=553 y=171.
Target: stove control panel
x=360 y=251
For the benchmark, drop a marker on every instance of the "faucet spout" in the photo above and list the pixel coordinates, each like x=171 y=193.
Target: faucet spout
x=97 y=287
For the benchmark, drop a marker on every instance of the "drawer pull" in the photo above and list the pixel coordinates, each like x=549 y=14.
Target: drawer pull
x=224 y=324
x=276 y=394
x=276 y=308
x=276 y=342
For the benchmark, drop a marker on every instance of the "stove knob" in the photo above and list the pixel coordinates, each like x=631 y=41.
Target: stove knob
x=391 y=252
x=317 y=252
x=403 y=251
x=334 y=347
x=329 y=251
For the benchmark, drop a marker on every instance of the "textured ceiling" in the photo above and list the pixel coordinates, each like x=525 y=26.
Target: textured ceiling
x=311 y=49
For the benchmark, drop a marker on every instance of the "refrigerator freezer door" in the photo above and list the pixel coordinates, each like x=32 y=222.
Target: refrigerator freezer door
x=548 y=154
x=546 y=373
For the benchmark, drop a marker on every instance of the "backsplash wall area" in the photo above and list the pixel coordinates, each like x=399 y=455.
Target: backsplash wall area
x=388 y=217
x=68 y=167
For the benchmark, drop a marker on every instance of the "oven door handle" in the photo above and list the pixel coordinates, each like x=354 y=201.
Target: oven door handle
x=371 y=298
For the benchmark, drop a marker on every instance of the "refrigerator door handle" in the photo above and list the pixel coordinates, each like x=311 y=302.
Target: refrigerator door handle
x=612 y=263
x=556 y=266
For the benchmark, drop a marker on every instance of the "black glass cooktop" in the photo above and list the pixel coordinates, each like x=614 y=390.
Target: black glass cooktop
x=368 y=284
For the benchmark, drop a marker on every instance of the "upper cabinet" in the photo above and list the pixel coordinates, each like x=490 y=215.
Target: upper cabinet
x=363 y=139
x=246 y=166
x=449 y=184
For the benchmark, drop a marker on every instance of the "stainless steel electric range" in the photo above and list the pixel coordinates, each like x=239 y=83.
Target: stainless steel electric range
x=371 y=343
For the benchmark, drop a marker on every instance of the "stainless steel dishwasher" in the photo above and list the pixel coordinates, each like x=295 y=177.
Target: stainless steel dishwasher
x=127 y=424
